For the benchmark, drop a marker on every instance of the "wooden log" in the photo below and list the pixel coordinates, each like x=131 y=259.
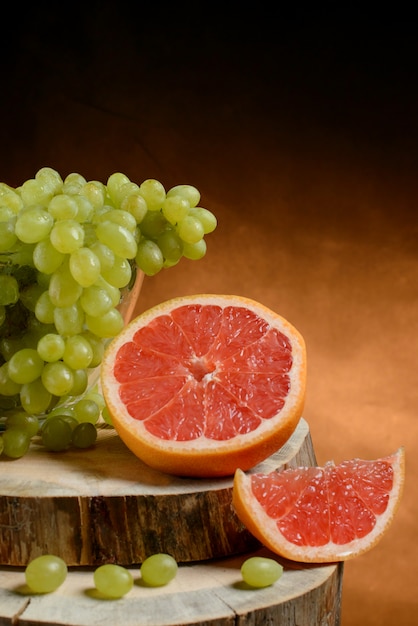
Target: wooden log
x=104 y=505
x=206 y=594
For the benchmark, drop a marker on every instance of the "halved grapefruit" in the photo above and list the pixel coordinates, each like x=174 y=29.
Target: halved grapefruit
x=321 y=514
x=201 y=385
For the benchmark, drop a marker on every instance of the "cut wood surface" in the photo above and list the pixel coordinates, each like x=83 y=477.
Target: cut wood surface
x=210 y=593
x=105 y=505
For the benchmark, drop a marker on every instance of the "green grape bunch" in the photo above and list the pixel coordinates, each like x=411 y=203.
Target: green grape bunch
x=69 y=249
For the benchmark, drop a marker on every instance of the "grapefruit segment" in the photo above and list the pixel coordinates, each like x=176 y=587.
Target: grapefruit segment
x=321 y=514
x=201 y=385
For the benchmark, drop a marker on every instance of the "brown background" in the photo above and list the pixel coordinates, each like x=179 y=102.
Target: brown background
x=301 y=135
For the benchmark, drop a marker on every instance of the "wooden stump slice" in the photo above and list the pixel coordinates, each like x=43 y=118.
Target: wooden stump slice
x=104 y=505
x=206 y=594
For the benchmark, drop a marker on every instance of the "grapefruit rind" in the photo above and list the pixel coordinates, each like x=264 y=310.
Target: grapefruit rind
x=264 y=528
x=204 y=457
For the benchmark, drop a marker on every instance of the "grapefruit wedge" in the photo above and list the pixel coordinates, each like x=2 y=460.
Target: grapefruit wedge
x=201 y=385
x=321 y=514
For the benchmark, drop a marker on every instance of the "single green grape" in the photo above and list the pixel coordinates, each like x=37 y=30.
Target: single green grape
x=95 y=301
x=158 y=569
x=188 y=192
x=190 y=229
x=194 y=251
x=113 y=581
x=63 y=207
x=56 y=434
x=46 y=573
x=58 y=378
x=84 y=435
x=170 y=245
x=9 y=289
x=69 y=320
x=16 y=443
x=25 y=366
x=175 y=208
x=84 y=266
x=67 y=236
x=33 y=225
x=51 y=347
x=34 y=398
x=149 y=257
x=106 y=326
x=153 y=192
x=87 y=410
x=260 y=571
x=78 y=352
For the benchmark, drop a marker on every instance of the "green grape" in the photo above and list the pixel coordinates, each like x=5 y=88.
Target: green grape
x=113 y=581
x=95 y=301
x=188 y=192
x=149 y=257
x=175 y=209
x=260 y=571
x=69 y=418
x=46 y=573
x=114 y=183
x=34 y=192
x=56 y=434
x=97 y=346
x=80 y=382
x=34 y=397
x=33 y=225
x=87 y=411
x=8 y=237
x=69 y=320
x=96 y=397
x=24 y=422
x=85 y=209
x=9 y=289
x=153 y=192
x=29 y=296
x=63 y=207
x=50 y=179
x=136 y=205
x=118 y=216
x=107 y=325
x=78 y=352
x=124 y=192
x=95 y=192
x=8 y=387
x=105 y=255
x=67 y=236
x=84 y=266
x=76 y=179
x=58 y=378
x=118 y=238
x=158 y=570
x=194 y=251
x=190 y=229
x=107 y=418
x=84 y=435
x=153 y=224
x=120 y=274
x=63 y=289
x=51 y=347
x=12 y=200
x=16 y=443
x=25 y=366
x=170 y=245
x=205 y=217
x=113 y=291
x=44 y=309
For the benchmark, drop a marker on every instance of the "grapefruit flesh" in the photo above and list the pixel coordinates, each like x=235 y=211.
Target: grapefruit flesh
x=202 y=385
x=321 y=514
